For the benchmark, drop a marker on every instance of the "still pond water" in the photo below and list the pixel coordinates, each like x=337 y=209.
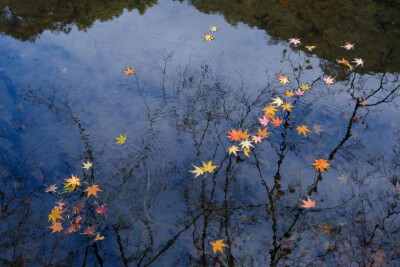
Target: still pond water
x=64 y=98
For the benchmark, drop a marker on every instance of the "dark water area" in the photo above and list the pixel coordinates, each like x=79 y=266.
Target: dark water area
x=64 y=98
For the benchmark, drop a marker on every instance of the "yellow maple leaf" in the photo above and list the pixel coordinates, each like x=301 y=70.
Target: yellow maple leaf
x=311 y=47
x=283 y=79
x=92 y=190
x=214 y=29
x=288 y=93
x=209 y=167
x=129 y=71
x=287 y=106
x=72 y=182
x=121 y=139
x=270 y=110
x=233 y=150
x=55 y=214
x=218 y=245
x=263 y=133
x=246 y=152
x=208 y=37
x=304 y=86
x=302 y=129
x=56 y=227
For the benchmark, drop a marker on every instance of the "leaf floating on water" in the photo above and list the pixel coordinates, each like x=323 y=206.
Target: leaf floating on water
x=246 y=152
x=303 y=129
x=234 y=135
x=208 y=37
x=98 y=237
x=197 y=170
x=256 y=139
x=233 y=150
x=92 y=190
x=277 y=122
x=129 y=71
x=304 y=86
x=263 y=133
x=89 y=231
x=299 y=92
x=329 y=80
x=270 y=110
x=344 y=62
x=72 y=182
x=294 y=41
x=310 y=47
x=51 y=189
x=283 y=79
x=277 y=101
x=218 y=245
x=287 y=106
x=348 y=46
x=56 y=227
x=101 y=210
x=308 y=204
x=208 y=167
x=321 y=164
x=87 y=165
x=359 y=62
x=121 y=139
x=246 y=144
x=55 y=214
x=213 y=29
x=263 y=121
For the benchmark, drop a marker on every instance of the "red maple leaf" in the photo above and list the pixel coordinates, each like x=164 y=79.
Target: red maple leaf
x=276 y=121
x=101 y=210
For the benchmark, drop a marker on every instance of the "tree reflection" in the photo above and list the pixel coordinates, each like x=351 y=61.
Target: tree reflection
x=158 y=214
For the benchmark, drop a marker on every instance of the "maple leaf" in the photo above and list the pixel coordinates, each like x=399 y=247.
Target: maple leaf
x=209 y=167
x=329 y=80
x=344 y=62
x=246 y=144
x=263 y=121
x=263 y=133
x=294 y=41
x=289 y=93
x=233 y=149
x=92 y=190
x=218 y=245
x=359 y=62
x=278 y=101
x=287 y=106
x=243 y=135
x=321 y=164
x=348 y=46
x=55 y=214
x=51 y=189
x=101 y=210
x=214 y=29
x=299 y=92
x=246 y=152
x=89 y=230
x=68 y=188
x=308 y=204
x=302 y=129
x=270 y=110
x=233 y=135
x=256 y=139
x=60 y=205
x=121 y=139
x=304 y=86
x=73 y=182
x=277 y=122
x=73 y=228
x=283 y=79
x=98 y=237
x=87 y=165
x=197 y=170
x=326 y=228
x=129 y=71
x=317 y=129
x=311 y=47
x=56 y=227
x=208 y=37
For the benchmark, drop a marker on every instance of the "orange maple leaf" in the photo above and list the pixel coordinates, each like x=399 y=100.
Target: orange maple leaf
x=92 y=190
x=276 y=121
x=263 y=133
x=344 y=62
x=237 y=135
x=129 y=71
x=321 y=164
x=218 y=245
x=56 y=227
x=89 y=230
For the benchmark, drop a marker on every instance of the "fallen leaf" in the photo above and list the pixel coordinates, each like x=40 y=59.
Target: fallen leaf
x=237 y=135
x=98 y=237
x=303 y=129
x=72 y=182
x=218 y=245
x=288 y=93
x=304 y=86
x=277 y=101
x=92 y=190
x=276 y=121
x=270 y=110
x=56 y=227
x=51 y=189
x=263 y=133
x=359 y=62
x=197 y=170
x=317 y=129
x=321 y=164
x=55 y=214
x=233 y=150
x=329 y=80
x=209 y=167
x=308 y=204
x=299 y=92
x=256 y=139
x=287 y=106
x=214 y=29
x=87 y=165
x=129 y=71
x=89 y=230
x=101 y=210
x=311 y=47
x=294 y=41
x=263 y=121
x=121 y=139
x=246 y=144
x=344 y=62
x=208 y=37
x=283 y=79
x=348 y=46
x=246 y=152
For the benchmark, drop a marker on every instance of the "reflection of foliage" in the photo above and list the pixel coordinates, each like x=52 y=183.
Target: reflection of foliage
x=374 y=26
x=26 y=20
